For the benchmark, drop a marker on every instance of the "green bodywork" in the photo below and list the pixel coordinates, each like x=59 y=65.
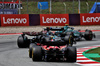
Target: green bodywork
x=71 y=29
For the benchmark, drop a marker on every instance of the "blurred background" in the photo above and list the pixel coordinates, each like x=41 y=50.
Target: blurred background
x=49 y=6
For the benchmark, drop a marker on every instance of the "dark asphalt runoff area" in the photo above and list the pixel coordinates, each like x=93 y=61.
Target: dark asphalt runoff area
x=11 y=55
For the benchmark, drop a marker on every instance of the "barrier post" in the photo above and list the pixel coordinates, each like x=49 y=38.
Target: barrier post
x=87 y=7
x=3 y=6
x=19 y=7
x=50 y=6
x=73 y=6
x=79 y=6
x=40 y=8
x=96 y=6
x=65 y=7
x=27 y=6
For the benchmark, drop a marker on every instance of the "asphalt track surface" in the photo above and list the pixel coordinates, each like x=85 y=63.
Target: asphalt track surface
x=11 y=55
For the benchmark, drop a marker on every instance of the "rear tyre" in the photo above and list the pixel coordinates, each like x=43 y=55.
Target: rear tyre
x=30 y=49
x=22 y=42
x=71 y=54
x=88 y=35
x=37 y=53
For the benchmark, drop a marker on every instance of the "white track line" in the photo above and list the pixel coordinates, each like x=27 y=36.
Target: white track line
x=85 y=61
x=81 y=57
x=79 y=54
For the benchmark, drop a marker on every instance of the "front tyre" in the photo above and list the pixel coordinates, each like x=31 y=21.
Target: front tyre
x=69 y=39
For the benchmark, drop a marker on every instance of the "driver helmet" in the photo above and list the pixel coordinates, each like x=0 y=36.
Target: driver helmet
x=66 y=27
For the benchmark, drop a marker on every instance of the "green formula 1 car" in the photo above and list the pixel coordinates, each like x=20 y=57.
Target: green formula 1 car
x=77 y=34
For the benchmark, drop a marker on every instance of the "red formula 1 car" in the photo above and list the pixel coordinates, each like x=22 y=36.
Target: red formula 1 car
x=48 y=53
x=47 y=45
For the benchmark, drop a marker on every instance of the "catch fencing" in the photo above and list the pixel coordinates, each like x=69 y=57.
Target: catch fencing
x=57 y=6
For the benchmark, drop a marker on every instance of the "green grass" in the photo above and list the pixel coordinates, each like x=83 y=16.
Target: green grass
x=94 y=51
x=57 y=7
x=97 y=59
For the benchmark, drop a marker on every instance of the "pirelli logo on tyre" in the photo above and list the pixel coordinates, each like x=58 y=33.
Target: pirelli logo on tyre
x=90 y=19
x=54 y=19
x=15 y=20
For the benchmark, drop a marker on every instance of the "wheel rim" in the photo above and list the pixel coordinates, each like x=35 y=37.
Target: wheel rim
x=32 y=53
x=70 y=41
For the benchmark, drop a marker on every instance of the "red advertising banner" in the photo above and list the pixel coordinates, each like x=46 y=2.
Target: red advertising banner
x=90 y=19
x=15 y=20
x=54 y=19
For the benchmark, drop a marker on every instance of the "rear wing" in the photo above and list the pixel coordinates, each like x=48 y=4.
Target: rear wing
x=32 y=33
x=53 y=29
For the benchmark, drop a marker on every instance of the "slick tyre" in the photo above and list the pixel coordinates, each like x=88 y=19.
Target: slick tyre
x=22 y=42
x=37 y=53
x=71 y=54
x=69 y=39
x=32 y=45
x=88 y=35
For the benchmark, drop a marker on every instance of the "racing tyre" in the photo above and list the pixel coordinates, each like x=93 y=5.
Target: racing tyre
x=88 y=35
x=30 y=49
x=22 y=42
x=69 y=39
x=71 y=54
x=37 y=53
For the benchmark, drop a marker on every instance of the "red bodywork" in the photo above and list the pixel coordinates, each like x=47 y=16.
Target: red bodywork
x=51 y=47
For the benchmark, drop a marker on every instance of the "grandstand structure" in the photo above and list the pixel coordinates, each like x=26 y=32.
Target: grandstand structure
x=10 y=7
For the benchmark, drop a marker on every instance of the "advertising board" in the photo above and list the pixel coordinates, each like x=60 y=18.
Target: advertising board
x=15 y=20
x=90 y=19
x=54 y=19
